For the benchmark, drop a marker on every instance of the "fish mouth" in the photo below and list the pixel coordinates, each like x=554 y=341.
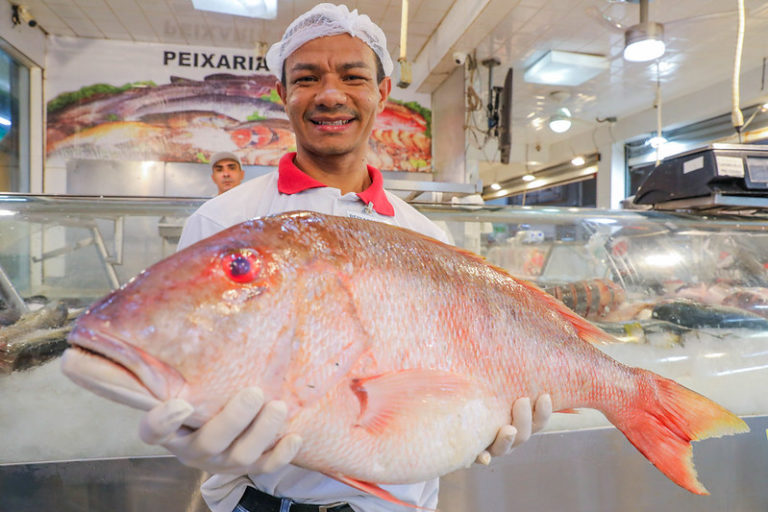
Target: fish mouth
x=119 y=371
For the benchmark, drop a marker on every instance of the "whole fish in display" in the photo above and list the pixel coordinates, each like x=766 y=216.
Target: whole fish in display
x=36 y=337
x=697 y=316
x=34 y=348
x=399 y=357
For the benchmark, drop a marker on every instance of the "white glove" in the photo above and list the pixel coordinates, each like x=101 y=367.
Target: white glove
x=237 y=440
x=525 y=421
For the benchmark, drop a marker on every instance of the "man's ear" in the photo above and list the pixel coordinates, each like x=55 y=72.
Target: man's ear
x=385 y=87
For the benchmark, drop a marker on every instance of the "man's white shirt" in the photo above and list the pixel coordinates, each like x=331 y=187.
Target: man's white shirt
x=260 y=197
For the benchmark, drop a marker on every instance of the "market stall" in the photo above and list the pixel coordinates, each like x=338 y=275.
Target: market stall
x=685 y=295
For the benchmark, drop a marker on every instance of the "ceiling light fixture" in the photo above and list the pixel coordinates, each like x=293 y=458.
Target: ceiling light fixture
x=557 y=67
x=495 y=186
x=644 y=41
x=528 y=177
x=264 y=9
x=578 y=160
x=560 y=121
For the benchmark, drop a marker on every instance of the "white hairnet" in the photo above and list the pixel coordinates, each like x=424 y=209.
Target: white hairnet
x=328 y=20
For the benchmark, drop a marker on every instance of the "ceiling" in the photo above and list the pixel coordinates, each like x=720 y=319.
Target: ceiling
x=700 y=36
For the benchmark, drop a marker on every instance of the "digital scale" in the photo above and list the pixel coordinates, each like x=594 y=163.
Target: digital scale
x=726 y=176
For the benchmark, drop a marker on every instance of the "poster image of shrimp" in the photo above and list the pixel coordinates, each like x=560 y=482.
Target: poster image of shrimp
x=187 y=120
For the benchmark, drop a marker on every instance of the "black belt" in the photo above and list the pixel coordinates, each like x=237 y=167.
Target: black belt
x=254 y=500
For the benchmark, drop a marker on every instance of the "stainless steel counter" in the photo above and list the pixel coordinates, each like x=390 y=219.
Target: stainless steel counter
x=592 y=470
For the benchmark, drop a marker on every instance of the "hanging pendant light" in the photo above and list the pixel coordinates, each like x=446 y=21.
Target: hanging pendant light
x=644 y=41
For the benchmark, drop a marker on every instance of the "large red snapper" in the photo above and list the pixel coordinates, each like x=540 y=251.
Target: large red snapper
x=399 y=357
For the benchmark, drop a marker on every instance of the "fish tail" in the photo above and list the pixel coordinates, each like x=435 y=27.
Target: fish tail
x=664 y=421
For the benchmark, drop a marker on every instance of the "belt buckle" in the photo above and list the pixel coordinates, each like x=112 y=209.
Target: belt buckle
x=330 y=507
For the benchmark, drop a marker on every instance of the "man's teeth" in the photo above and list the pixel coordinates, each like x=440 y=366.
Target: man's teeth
x=333 y=123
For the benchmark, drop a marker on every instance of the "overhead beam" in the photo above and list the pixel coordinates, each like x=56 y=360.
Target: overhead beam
x=465 y=25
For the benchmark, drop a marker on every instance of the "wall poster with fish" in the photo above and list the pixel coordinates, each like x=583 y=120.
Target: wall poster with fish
x=111 y=100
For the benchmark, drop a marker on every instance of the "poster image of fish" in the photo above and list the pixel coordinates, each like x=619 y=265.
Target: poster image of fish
x=187 y=120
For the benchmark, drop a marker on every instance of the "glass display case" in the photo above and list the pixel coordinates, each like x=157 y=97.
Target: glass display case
x=684 y=295
x=58 y=254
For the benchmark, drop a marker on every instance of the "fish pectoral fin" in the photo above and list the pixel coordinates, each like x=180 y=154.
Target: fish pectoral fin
x=377 y=491
x=384 y=398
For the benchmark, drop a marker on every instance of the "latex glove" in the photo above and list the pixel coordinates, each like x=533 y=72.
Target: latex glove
x=525 y=422
x=237 y=440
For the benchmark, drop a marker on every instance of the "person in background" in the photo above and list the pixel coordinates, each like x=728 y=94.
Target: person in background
x=333 y=70
x=226 y=171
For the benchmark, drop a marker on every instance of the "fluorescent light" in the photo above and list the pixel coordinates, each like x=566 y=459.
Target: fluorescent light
x=578 y=160
x=565 y=68
x=644 y=42
x=657 y=141
x=495 y=186
x=528 y=177
x=265 y=9
x=4 y=121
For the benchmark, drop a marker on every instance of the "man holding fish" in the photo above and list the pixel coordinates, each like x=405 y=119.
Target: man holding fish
x=334 y=69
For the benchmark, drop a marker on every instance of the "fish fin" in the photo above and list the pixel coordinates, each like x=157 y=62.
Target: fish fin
x=377 y=491
x=391 y=395
x=662 y=426
x=586 y=330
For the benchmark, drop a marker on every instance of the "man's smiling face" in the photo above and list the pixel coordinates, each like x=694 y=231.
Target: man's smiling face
x=332 y=96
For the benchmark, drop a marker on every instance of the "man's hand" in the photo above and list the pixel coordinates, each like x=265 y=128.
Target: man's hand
x=238 y=440
x=525 y=421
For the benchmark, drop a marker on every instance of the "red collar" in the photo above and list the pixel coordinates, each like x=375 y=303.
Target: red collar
x=292 y=180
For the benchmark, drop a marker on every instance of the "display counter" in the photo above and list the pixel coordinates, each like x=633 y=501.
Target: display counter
x=685 y=296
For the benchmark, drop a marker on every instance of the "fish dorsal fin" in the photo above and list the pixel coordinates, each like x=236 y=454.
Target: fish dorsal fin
x=387 y=397
x=586 y=330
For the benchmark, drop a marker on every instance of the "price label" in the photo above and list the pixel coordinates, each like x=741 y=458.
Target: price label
x=730 y=166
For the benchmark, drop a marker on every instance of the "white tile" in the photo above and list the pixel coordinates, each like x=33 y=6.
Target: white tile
x=99 y=14
x=90 y=4
x=69 y=10
x=145 y=34
x=110 y=27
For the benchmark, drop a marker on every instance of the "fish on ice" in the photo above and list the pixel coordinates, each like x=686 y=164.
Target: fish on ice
x=399 y=357
x=38 y=336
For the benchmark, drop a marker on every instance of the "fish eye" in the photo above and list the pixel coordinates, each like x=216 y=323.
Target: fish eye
x=242 y=266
